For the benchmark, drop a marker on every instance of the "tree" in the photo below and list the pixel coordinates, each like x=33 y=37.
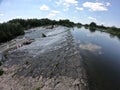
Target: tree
x=9 y=31
x=93 y=25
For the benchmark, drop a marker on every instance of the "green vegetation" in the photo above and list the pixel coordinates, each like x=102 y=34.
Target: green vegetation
x=16 y=27
x=79 y=25
x=9 y=31
x=0 y=63
x=66 y=23
x=1 y=72
x=38 y=88
x=113 y=31
x=92 y=26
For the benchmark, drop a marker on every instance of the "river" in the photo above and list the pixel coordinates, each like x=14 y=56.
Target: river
x=101 y=56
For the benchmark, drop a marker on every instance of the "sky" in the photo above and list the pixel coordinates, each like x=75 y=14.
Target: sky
x=104 y=12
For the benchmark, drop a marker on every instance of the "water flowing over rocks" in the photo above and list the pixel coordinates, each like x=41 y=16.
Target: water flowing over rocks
x=48 y=63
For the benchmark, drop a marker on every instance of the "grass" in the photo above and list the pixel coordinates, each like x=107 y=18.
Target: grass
x=38 y=88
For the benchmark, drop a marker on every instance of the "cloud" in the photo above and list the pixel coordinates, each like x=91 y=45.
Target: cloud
x=108 y=4
x=96 y=6
x=66 y=3
x=19 y=17
x=74 y=18
x=66 y=9
x=44 y=8
x=90 y=47
x=79 y=8
x=71 y=1
x=53 y=13
x=92 y=18
x=58 y=2
x=1 y=14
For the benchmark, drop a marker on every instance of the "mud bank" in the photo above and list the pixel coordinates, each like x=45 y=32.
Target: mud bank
x=49 y=63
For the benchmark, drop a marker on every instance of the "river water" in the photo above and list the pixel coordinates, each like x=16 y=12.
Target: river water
x=101 y=57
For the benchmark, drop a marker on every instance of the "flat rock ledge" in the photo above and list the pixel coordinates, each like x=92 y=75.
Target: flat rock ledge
x=49 y=63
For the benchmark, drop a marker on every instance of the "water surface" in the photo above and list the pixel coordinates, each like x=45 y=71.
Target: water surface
x=101 y=55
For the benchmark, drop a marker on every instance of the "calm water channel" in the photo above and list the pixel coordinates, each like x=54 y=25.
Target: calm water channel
x=101 y=57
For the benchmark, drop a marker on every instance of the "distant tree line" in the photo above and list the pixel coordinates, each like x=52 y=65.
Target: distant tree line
x=16 y=27
x=30 y=23
x=113 y=31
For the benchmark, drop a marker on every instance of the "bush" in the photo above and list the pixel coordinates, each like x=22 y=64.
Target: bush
x=0 y=63
x=1 y=72
x=9 y=31
x=38 y=88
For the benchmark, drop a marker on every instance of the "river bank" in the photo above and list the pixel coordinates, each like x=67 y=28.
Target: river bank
x=48 y=63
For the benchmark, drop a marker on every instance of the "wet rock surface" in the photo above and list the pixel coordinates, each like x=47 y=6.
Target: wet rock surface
x=49 y=63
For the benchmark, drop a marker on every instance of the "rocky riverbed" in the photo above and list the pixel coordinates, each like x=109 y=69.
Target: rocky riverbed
x=50 y=62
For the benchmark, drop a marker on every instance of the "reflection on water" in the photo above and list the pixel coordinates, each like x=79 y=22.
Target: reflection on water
x=90 y=47
x=101 y=54
x=92 y=29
